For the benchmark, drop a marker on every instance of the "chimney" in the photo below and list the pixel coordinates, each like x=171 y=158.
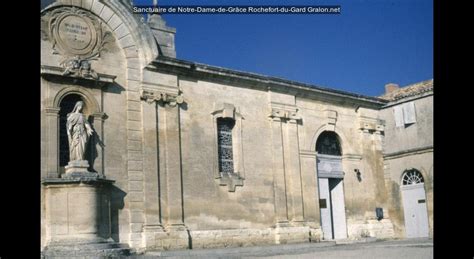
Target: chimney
x=391 y=87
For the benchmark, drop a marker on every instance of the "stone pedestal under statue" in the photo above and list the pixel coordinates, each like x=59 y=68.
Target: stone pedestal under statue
x=78 y=167
x=78 y=217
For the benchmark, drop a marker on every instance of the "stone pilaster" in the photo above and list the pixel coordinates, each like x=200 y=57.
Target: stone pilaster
x=279 y=188
x=98 y=148
x=289 y=118
x=164 y=227
x=153 y=225
x=135 y=165
x=292 y=164
x=52 y=149
x=289 y=227
x=310 y=192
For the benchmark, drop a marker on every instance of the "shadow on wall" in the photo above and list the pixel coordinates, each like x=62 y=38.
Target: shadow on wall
x=114 y=88
x=117 y=197
x=396 y=213
x=92 y=152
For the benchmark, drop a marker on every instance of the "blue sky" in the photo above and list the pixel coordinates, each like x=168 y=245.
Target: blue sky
x=371 y=43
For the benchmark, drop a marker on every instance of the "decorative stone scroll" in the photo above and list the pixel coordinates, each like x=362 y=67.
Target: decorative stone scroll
x=151 y=96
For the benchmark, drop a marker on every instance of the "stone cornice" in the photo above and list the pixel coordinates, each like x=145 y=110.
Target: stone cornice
x=408 y=99
x=52 y=110
x=86 y=180
x=412 y=151
x=277 y=84
x=98 y=79
x=352 y=157
x=308 y=153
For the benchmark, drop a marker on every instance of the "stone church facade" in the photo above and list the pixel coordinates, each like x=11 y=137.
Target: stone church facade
x=185 y=155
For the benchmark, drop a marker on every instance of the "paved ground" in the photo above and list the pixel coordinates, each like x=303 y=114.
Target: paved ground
x=407 y=248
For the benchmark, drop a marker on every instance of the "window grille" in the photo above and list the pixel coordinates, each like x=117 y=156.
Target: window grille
x=328 y=144
x=412 y=176
x=224 y=142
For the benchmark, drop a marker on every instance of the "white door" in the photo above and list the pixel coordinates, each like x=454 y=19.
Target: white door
x=338 y=208
x=414 y=206
x=325 y=208
x=331 y=197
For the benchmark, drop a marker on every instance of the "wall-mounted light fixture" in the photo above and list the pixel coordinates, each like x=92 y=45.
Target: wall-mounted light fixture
x=358 y=174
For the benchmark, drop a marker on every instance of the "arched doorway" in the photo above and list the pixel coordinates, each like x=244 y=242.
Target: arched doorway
x=331 y=189
x=414 y=204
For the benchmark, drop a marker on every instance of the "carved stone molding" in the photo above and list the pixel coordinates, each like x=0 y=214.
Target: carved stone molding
x=77 y=33
x=226 y=110
x=79 y=73
x=231 y=181
x=52 y=110
x=79 y=37
x=331 y=119
x=285 y=114
x=161 y=98
x=370 y=125
x=352 y=157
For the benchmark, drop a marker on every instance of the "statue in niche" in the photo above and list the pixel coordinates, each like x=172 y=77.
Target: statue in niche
x=78 y=131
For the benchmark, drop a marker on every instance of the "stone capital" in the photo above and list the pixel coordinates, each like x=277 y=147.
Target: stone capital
x=161 y=98
x=285 y=114
x=52 y=110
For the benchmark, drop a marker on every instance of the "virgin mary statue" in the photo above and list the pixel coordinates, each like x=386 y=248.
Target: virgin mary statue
x=78 y=132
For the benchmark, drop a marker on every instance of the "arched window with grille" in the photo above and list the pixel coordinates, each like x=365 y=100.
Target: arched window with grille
x=328 y=144
x=412 y=176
